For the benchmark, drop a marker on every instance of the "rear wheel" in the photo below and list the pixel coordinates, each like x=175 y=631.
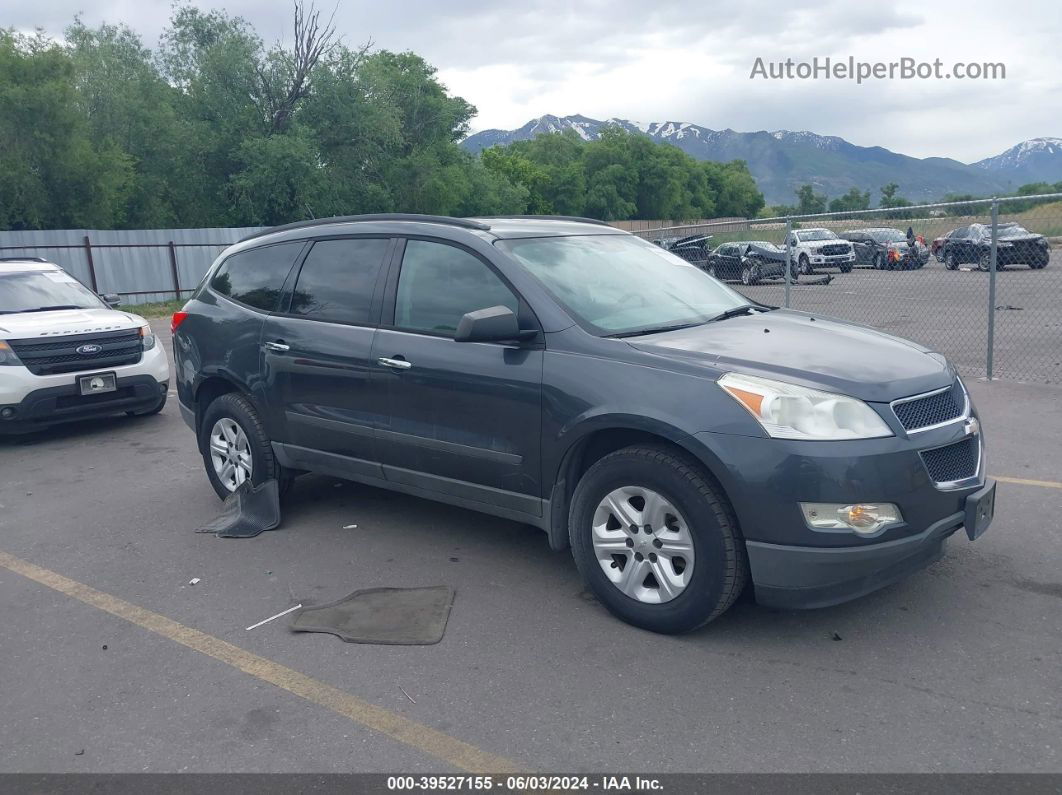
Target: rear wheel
x=656 y=541
x=235 y=447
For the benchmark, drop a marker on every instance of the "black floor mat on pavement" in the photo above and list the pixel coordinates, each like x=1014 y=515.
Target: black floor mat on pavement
x=247 y=512
x=400 y=616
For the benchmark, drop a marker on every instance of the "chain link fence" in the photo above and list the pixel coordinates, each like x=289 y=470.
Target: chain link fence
x=979 y=281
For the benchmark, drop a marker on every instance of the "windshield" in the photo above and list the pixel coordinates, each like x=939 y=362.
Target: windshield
x=36 y=290
x=618 y=284
x=815 y=234
x=887 y=235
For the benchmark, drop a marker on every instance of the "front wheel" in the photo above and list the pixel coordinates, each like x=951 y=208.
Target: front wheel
x=656 y=541
x=750 y=273
x=235 y=446
x=805 y=265
x=984 y=261
x=950 y=262
x=846 y=268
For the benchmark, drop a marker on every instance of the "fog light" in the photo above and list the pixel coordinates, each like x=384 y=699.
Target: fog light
x=862 y=518
x=7 y=413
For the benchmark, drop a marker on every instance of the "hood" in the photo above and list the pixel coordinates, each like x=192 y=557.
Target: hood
x=62 y=322
x=821 y=353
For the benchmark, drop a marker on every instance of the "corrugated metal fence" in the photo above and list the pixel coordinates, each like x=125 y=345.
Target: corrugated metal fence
x=141 y=265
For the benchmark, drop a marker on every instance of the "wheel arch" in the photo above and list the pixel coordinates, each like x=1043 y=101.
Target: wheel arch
x=593 y=440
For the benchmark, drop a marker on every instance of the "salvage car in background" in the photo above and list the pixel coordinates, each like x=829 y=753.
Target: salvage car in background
x=820 y=248
x=694 y=249
x=886 y=248
x=750 y=261
x=1015 y=245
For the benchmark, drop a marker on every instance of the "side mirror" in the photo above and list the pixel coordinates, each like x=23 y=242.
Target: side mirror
x=493 y=324
x=111 y=299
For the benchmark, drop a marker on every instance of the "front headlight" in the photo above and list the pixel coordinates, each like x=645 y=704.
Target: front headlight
x=7 y=356
x=147 y=337
x=788 y=411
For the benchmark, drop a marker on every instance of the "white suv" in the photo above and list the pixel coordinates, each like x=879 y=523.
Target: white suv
x=65 y=354
x=822 y=248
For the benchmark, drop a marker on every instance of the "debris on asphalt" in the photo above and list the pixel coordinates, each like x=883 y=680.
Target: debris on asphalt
x=835 y=636
x=278 y=615
x=194 y=581
x=79 y=753
x=104 y=647
x=350 y=527
x=407 y=695
x=455 y=560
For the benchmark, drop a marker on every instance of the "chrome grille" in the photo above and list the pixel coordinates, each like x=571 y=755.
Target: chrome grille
x=932 y=409
x=958 y=461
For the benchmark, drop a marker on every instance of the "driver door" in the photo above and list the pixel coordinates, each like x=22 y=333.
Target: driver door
x=461 y=418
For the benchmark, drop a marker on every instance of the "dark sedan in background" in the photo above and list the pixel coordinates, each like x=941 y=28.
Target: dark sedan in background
x=1015 y=245
x=750 y=261
x=886 y=248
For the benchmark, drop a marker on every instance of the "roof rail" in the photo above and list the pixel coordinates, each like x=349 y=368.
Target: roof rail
x=23 y=259
x=346 y=219
x=595 y=221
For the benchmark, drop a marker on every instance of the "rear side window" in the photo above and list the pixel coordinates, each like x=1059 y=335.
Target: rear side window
x=438 y=284
x=337 y=279
x=256 y=277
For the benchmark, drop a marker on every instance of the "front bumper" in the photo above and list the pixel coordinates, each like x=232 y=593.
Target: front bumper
x=54 y=405
x=810 y=577
x=832 y=259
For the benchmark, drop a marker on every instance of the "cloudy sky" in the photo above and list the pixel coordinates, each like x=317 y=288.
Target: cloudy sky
x=690 y=60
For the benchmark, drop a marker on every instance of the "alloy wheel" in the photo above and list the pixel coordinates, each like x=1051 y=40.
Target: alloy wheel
x=643 y=544
x=230 y=453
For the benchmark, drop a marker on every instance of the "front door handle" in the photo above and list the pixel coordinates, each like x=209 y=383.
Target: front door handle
x=396 y=364
x=279 y=347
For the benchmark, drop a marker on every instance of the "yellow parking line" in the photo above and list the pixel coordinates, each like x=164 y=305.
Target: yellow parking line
x=1047 y=484
x=416 y=735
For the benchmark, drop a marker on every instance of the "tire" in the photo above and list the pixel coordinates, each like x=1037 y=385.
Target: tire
x=705 y=585
x=984 y=261
x=846 y=268
x=711 y=270
x=149 y=412
x=794 y=274
x=235 y=408
x=805 y=265
x=950 y=262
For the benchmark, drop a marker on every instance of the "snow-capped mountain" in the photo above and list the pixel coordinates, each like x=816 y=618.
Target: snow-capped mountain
x=1035 y=160
x=783 y=160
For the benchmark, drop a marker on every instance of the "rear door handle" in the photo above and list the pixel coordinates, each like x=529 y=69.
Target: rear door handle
x=396 y=364
x=279 y=347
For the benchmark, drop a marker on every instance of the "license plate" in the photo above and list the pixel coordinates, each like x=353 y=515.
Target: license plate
x=97 y=383
x=980 y=508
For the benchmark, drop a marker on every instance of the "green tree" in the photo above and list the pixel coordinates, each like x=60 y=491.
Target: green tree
x=809 y=202
x=852 y=201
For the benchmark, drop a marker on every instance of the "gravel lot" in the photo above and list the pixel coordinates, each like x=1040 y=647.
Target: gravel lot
x=948 y=311
x=958 y=668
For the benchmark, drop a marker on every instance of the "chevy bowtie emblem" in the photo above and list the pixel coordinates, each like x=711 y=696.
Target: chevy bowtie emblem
x=972 y=426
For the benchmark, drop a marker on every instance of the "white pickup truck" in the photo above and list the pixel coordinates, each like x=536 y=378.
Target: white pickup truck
x=820 y=248
x=66 y=354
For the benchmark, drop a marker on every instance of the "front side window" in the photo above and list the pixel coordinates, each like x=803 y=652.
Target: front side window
x=43 y=291
x=256 y=277
x=337 y=280
x=438 y=284
x=619 y=284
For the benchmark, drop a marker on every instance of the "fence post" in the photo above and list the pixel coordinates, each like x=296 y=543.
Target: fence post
x=173 y=270
x=91 y=265
x=992 y=289
x=788 y=258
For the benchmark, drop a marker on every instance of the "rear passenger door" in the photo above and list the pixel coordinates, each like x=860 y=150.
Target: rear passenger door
x=464 y=418
x=323 y=387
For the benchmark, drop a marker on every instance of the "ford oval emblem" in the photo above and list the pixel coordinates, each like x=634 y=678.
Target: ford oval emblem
x=88 y=350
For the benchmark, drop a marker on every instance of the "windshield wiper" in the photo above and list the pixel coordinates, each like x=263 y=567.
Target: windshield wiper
x=737 y=310
x=54 y=308
x=653 y=330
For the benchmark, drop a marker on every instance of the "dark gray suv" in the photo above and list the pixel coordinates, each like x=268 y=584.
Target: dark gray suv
x=560 y=372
